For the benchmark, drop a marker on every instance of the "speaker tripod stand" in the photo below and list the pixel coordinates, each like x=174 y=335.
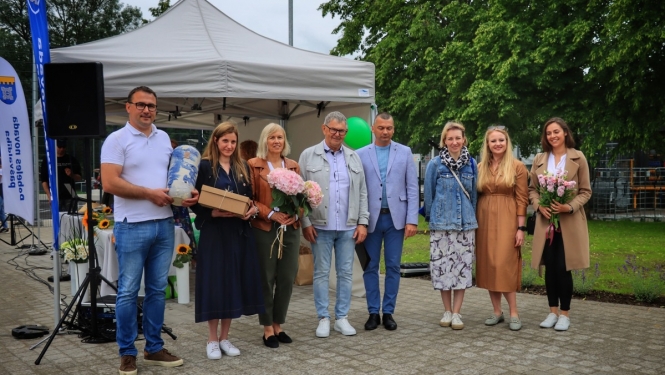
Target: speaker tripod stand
x=12 y=231
x=92 y=280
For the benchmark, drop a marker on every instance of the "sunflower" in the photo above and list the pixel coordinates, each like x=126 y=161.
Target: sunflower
x=107 y=210
x=104 y=224
x=183 y=249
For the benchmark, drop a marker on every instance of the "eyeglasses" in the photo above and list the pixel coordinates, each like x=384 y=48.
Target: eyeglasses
x=141 y=106
x=497 y=127
x=336 y=131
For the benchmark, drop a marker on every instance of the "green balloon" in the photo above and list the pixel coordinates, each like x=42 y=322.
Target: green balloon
x=359 y=135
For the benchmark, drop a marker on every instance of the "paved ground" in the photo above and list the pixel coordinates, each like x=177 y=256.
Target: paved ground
x=603 y=338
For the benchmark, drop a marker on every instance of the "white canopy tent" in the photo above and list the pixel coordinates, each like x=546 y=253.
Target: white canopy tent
x=207 y=68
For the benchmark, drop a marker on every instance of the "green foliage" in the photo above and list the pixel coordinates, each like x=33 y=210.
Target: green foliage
x=600 y=65
x=161 y=7
x=529 y=275
x=290 y=204
x=70 y=23
x=584 y=282
x=648 y=283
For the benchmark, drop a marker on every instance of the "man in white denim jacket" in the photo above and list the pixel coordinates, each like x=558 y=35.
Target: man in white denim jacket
x=339 y=222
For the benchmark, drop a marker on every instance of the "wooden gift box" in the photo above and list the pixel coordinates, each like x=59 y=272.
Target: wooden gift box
x=224 y=200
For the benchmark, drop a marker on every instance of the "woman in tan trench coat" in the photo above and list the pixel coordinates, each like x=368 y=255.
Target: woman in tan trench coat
x=569 y=248
x=501 y=214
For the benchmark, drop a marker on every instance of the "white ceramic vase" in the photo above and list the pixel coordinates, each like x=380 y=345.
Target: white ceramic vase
x=183 y=169
x=182 y=283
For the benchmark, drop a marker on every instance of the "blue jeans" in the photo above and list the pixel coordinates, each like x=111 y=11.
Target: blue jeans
x=345 y=246
x=145 y=245
x=393 y=240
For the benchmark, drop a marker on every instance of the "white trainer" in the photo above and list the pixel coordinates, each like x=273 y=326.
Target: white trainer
x=323 y=330
x=447 y=319
x=343 y=326
x=562 y=323
x=550 y=321
x=213 y=350
x=228 y=348
x=457 y=323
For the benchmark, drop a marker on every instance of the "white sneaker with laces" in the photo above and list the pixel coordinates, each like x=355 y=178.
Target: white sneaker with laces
x=228 y=348
x=323 y=330
x=212 y=349
x=550 y=321
x=447 y=319
x=343 y=326
x=457 y=323
x=562 y=323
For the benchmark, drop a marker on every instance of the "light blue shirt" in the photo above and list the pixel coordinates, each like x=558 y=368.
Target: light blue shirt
x=382 y=157
x=338 y=197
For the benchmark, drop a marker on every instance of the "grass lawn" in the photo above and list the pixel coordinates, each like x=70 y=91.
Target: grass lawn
x=611 y=242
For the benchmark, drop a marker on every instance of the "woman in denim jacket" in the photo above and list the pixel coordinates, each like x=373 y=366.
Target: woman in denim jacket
x=451 y=213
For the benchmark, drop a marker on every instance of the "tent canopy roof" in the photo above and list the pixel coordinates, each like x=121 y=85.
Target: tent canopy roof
x=197 y=58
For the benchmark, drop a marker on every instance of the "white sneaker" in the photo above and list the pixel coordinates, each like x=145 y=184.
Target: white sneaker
x=562 y=323
x=228 y=348
x=446 y=320
x=343 y=326
x=550 y=321
x=323 y=330
x=457 y=322
x=213 y=350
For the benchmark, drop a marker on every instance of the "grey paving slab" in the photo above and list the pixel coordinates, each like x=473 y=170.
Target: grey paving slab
x=603 y=339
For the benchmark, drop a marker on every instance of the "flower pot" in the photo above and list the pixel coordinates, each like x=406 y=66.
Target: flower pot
x=78 y=272
x=182 y=283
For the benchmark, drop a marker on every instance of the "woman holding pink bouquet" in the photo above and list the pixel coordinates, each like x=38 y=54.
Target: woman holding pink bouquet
x=559 y=189
x=277 y=232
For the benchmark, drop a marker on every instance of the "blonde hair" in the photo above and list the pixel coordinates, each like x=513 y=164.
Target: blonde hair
x=506 y=168
x=451 y=125
x=211 y=151
x=270 y=129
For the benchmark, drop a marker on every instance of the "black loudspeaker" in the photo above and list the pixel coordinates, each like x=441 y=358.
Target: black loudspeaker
x=75 y=100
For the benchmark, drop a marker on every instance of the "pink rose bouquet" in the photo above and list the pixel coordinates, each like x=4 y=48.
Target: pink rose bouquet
x=554 y=188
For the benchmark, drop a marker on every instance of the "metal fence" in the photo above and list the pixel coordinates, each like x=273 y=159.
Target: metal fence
x=624 y=192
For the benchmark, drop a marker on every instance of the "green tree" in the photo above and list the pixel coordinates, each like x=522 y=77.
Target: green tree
x=161 y=7
x=597 y=64
x=70 y=22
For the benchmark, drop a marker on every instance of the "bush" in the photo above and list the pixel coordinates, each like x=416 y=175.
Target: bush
x=648 y=283
x=529 y=275
x=583 y=281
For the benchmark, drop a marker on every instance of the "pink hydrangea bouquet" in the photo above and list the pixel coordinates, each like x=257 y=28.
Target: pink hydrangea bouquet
x=554 y=188
x=290 y=193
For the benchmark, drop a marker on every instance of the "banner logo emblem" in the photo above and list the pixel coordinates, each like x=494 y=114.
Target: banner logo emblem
x=7 y=89
x=34 y=9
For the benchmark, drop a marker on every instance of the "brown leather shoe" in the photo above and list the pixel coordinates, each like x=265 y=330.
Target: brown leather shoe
x=127 y=365
x=161 y=358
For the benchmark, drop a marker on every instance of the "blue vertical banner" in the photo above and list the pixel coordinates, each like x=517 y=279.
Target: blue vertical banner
x=40 y=47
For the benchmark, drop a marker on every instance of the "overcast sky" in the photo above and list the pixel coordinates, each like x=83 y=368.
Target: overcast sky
x=270 y=18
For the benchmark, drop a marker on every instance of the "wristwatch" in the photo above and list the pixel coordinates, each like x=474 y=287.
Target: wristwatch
x=522 y=228
x=571 y=209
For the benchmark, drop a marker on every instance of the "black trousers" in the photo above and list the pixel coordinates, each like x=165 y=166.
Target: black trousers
x=558 y=281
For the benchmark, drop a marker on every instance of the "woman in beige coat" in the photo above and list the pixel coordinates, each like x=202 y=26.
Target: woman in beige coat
x=501 y=213
x=569 y=249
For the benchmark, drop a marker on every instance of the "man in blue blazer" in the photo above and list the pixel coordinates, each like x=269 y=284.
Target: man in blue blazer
x=392 y=195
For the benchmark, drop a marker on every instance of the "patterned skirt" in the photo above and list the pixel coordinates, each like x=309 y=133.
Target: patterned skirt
x=451 y=258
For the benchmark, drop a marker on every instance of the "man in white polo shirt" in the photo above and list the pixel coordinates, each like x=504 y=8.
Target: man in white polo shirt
x=134 y=167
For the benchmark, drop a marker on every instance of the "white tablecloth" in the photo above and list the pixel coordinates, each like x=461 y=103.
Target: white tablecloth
x=106 y=255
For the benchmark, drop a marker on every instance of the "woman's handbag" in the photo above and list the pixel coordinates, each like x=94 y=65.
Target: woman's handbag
x=531 y=223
